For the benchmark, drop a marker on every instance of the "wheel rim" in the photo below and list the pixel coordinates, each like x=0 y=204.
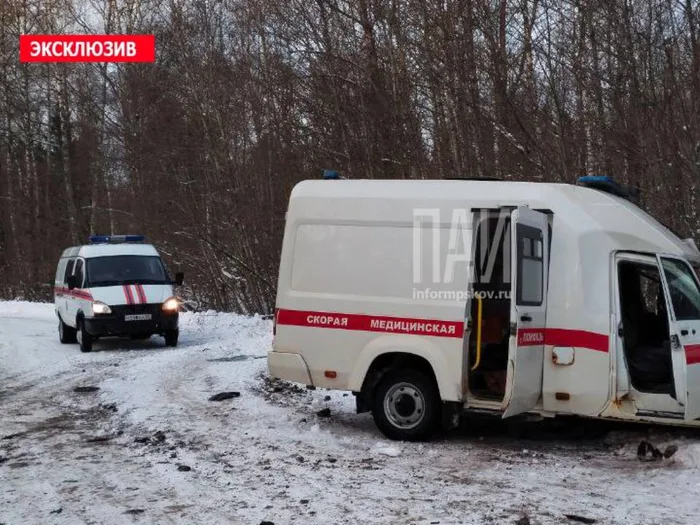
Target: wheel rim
x=404 y=406
x=80 y=335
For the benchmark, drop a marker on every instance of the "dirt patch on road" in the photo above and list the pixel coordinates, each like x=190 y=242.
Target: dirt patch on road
x=281 y=392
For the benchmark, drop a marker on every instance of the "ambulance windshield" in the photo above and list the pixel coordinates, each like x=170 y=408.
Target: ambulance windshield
x=125 y=269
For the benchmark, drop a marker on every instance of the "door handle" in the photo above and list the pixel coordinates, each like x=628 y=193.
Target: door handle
x=675 y=342
x=525 y=318
x=684 y=332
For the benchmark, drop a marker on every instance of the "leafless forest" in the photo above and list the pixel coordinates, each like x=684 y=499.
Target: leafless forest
x=200 y=150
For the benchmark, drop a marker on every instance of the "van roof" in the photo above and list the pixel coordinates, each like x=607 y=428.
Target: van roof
x=474 y=190
x=106 y=250
x=588 y=212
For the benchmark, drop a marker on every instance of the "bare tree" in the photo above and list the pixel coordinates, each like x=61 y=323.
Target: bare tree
x=200 y=150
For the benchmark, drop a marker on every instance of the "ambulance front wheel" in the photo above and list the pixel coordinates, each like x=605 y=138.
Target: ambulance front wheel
x=406 y=405
x=171 y=337
x=66 y=334
x=84 y=338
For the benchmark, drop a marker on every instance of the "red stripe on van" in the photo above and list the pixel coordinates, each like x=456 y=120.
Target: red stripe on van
x=692 y=354
x=576 y=338
x=371 y=323
x=438 y=328
x=80 y=294
x=127 y=294
x=562 y=337
x=142 y=294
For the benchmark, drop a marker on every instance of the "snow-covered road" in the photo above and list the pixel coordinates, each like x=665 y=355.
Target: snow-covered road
x=148 y=447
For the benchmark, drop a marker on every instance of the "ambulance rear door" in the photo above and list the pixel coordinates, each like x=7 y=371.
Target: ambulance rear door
x=529 y=277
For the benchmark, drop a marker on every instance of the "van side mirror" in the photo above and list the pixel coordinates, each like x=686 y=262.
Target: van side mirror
x=179 y=278
x=72 y=282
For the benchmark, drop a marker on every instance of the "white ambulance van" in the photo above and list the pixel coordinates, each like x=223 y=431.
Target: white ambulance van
x=425 y=298
x=115 y=286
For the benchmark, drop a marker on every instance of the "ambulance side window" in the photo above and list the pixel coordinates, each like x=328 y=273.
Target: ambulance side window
x=60 y=271
x=79 y=274
x=69 y=270
x=530 y=266
x=683 y=289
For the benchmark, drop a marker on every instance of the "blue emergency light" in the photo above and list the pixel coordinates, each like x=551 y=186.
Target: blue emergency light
x=330 y=175
x=606 y=184
x=113 y=239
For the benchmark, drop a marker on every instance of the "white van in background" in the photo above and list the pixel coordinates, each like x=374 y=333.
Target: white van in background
x=115 y=286
x=427 y=297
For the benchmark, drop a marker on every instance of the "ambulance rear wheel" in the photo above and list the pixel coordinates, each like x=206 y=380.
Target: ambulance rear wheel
x=171 y=337
x=84 y=338
x=406 y=405
x=66 y=334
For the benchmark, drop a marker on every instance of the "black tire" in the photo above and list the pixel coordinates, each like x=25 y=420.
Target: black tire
x=66 y=334
x=406 y=405
x=171 y=337
x=84 y=338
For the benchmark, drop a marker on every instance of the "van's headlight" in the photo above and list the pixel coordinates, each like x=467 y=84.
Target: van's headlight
x=171 y=305
x=100 y=308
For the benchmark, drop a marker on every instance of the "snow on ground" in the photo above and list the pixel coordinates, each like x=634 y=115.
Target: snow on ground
x=149 y=447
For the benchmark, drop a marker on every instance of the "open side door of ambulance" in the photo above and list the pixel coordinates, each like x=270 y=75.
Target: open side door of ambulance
x=528 y=308
x=682 y=292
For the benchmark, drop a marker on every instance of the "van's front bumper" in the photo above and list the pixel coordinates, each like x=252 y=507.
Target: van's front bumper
x=116 y=324
x=288 y=366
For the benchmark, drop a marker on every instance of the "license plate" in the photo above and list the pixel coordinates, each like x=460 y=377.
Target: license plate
x=139 y=317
